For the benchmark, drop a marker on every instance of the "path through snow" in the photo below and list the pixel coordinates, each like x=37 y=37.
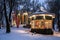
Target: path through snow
x=24 y=34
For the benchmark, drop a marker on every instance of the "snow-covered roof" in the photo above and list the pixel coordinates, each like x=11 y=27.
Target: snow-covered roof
x=36 y=13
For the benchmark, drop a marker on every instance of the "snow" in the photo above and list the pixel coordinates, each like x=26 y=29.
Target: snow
x=24 y=34
x=57 y=34
x=55 y=26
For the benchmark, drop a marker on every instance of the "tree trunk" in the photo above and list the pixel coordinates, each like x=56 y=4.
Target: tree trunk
x=11 y=5
x=58 y=22
x=10 y=16
x=7 y=20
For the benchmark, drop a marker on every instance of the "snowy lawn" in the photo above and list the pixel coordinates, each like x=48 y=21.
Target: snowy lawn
x=24 y=34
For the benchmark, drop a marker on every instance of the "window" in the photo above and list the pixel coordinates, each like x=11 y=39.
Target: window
x=39 y=17
x=48 y=17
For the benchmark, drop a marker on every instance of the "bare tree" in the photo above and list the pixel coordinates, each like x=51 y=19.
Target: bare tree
x=7 y=21
x=8 y=18
x=54 y=7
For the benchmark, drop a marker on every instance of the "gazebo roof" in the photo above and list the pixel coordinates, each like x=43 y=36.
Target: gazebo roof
x=36 y=13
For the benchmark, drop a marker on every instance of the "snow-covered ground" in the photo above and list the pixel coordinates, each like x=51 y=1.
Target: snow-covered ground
x=24 y=34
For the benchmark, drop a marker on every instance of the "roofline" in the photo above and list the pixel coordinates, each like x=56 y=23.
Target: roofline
x=36 y=13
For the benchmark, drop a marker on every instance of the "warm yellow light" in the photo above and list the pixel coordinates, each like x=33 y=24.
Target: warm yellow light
x=25 y=13
x=46 y=22
x=14 y=23
x=19 y=14
x=53 y=16
x=33 y=16
x=41 y=14
x=30 y=17
x=50 y=15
